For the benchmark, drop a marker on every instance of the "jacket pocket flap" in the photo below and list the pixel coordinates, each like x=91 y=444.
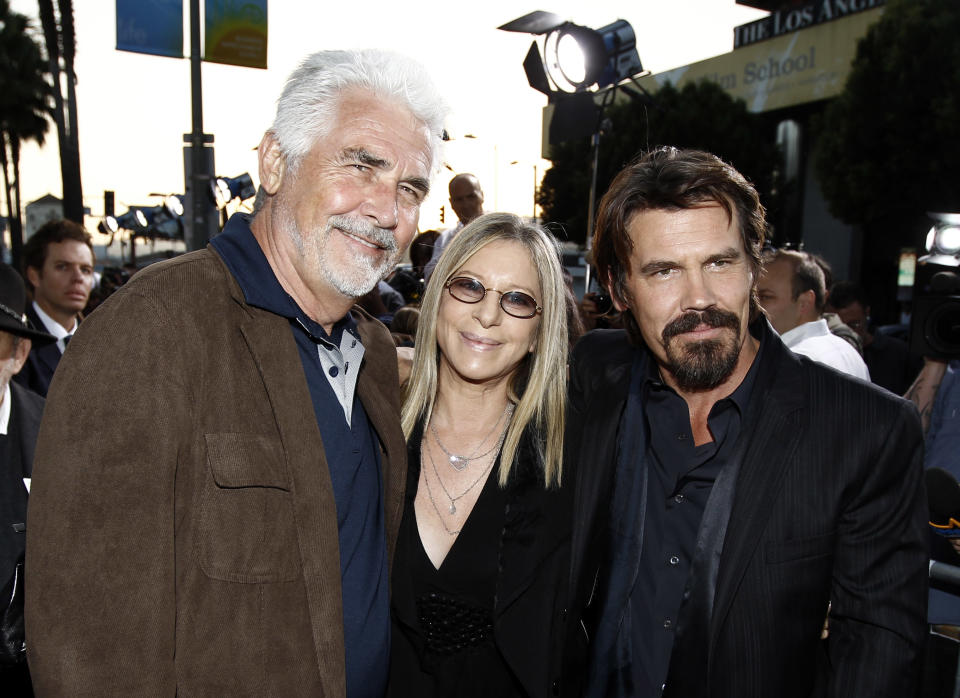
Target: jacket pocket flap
x=247 y=460
x=800 y=548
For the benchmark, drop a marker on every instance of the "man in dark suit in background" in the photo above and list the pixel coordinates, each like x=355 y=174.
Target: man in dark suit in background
x=20 y=413
x=730 y=492
x=58 y=264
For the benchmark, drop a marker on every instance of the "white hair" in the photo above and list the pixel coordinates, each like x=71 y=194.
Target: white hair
x=307 y=108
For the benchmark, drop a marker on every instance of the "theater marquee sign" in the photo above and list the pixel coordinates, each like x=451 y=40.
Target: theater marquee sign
x=805 y=65
x=792 y=19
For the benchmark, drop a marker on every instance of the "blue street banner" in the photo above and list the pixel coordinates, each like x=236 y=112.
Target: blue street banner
x=150 y=26
x=236 y=32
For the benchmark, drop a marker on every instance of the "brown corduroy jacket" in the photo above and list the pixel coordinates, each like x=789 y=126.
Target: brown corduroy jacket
x=182 y=531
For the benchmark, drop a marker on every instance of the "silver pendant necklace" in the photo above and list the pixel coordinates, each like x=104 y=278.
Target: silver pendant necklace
x=483 y=473
x=461 y=463
x=426 y=481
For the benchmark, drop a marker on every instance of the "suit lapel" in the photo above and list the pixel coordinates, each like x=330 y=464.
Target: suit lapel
x=537 y=522
x=774 y=429
x=27 y=410
x=49 y=355
x=596 y=459
x=274 y=350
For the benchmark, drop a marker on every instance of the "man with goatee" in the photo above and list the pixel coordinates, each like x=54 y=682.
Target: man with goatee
x=730 y=495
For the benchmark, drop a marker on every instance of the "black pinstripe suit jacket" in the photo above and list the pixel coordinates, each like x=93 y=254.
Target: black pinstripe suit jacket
x=828 y=505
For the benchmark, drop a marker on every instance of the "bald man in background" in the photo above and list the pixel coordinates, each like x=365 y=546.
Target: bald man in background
x=466 y=198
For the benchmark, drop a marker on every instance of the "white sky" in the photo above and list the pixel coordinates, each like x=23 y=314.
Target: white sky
x=134 y=109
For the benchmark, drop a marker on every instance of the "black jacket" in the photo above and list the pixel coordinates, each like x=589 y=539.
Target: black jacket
x=37 y=372
x=531 y=584
x=17 y=449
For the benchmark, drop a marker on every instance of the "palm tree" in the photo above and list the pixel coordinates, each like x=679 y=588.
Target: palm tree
x=24 y=108
x=61 y=42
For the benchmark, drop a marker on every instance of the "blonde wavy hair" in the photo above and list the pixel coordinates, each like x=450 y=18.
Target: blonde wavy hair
x=538 y=387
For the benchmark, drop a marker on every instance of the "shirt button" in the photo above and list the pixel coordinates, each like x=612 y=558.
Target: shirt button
x=353 y=344
x=333 y=371
x=674 y=560
x=668 y=624
x=679 y=498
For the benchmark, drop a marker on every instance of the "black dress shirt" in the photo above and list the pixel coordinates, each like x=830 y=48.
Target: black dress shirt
x=680 y=480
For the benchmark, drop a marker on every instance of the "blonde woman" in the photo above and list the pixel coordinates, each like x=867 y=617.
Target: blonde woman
x=482 y=551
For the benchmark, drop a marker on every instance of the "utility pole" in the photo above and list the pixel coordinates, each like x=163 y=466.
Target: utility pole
x=201 y=222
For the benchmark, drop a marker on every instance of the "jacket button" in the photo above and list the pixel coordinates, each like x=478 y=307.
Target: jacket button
x=563 y=615
x=555 y=687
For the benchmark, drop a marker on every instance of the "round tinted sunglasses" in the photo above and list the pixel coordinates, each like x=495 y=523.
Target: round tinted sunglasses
x=515 y=303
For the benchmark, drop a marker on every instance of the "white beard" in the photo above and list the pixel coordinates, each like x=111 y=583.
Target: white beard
x=359 y=273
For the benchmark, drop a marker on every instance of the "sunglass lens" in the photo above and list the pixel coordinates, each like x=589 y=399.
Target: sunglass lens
x=468 y=290
x=519 y=304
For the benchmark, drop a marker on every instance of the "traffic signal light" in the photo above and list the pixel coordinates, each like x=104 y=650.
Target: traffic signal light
x=442 y=213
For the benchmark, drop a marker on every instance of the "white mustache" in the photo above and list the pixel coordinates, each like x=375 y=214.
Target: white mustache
x=381 y=237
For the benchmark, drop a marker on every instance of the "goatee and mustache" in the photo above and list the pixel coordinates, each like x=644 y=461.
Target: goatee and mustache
x=705 y=364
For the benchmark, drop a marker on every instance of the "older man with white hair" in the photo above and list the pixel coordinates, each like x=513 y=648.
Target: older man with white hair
x=226 y=519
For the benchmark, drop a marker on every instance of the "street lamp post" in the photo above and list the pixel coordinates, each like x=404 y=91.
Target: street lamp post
x=201 y=224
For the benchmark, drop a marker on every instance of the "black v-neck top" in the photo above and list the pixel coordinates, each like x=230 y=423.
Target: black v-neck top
x=443 y=639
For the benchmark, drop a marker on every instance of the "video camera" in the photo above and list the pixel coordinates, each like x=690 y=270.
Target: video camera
x=935 y=329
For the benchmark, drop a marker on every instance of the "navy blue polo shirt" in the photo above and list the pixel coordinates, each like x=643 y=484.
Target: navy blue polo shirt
x=352 y=457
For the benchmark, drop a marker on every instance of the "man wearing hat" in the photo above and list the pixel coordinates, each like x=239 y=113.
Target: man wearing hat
x=20 y=412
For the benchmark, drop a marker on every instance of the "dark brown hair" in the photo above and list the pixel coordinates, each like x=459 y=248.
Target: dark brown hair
x=671 y=179
x=35 y=249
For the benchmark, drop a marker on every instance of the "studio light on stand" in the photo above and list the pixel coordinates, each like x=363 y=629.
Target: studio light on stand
x=575 y=64
x=943 y=240
x=163 y=222
x=226 y=189
x=132 y=220
x=576 y=58
x=174 y=205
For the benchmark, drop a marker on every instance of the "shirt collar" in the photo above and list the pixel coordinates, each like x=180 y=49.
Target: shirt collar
x=741 y=395
x=243 y=256
x=816 y=328
x=5 y=410
x=52 y=326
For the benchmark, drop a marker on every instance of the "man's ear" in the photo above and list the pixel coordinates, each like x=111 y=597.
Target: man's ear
x=619 y=304
x=20 y=354
x=33 y=276
x=807 y=301
x=272 y=162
